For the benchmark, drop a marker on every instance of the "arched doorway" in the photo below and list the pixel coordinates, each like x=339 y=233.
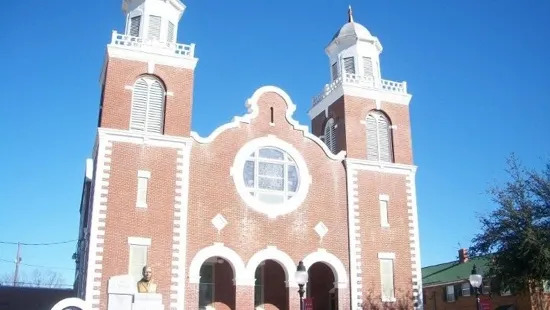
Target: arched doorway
x=216 y=287
x=320 y=287
x=270 y=291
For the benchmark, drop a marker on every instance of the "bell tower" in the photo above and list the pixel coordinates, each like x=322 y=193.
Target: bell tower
x=134 y=210
x=367 y=116
x=147 y=78
x=339 y=112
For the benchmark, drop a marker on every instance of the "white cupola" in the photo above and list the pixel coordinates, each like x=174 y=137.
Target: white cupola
x=153 y=20
x=354 y=53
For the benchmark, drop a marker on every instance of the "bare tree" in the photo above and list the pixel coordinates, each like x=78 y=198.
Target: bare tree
x=37 y=278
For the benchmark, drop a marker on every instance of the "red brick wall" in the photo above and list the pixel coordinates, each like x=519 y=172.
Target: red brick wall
x=117 y=99
x=434 y=300
x=352 y=111
x=376 y=239
x=123 y=219
x=212 y=191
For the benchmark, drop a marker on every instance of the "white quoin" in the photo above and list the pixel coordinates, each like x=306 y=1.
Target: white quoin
x=153 y=20
x=353 y=50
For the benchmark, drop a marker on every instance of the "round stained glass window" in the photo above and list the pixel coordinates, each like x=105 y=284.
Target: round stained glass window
x=271 y=175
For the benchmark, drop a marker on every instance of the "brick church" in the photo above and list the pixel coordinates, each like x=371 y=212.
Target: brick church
x=224 y=219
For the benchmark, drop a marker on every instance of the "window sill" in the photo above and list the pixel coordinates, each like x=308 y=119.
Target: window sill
x=389 y=299
x=141 y=205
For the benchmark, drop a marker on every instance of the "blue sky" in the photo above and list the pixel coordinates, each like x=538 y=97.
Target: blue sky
x=478 y=72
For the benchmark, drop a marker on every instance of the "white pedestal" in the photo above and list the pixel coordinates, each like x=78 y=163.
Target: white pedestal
x=147 y=301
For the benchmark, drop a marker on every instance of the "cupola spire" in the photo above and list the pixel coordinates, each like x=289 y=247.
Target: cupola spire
x=350 y=14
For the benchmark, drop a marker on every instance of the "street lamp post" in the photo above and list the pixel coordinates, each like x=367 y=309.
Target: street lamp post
x=301 y=278
x=475 y=281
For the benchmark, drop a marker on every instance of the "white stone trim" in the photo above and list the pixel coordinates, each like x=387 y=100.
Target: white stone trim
x=71 y=302
x=414 y=241
x=139 y=241
x=97 y=226
x=218 y=249
x=179 y=247
x=253 y=110
x=116 y=135
x=386 y=255
x=379 y=166
x=272 y=253
x=360 y=92
x=119 y=51
x=236 y=171
x=383 y=197
x=354 y=231
x=144 y=174
x=338 y=269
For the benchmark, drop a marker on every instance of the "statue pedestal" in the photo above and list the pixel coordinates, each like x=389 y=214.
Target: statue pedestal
x=147 y=301
x=123 y=295
x=121 y=290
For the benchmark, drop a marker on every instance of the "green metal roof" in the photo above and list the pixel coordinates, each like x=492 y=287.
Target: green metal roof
x=452 y=271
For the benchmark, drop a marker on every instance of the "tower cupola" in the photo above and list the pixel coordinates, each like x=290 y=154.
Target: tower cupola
x=354 y=52
x=153 y=20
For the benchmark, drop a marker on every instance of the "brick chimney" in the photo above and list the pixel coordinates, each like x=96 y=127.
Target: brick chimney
x=462 y=255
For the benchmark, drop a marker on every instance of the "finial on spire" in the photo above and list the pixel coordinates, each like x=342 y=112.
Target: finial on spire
x=350 y=15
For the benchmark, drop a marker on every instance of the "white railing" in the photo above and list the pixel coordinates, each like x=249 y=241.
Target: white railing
x=167 y=48
x=367 y=82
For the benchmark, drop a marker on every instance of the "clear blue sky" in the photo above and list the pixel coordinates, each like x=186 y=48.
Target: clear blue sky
x=478 y=72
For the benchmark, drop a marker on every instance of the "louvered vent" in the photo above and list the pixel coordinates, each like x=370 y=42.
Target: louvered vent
x=330 y=135
x=147 y=106
x=154 y=27
x=384 y=139
x=372 y=138
x=379 y=139
x=155 y=113
x=349 y=65
x=135 y=23
x=139 y=105
x=367 y=66
x=335 y=71
x=170 y=34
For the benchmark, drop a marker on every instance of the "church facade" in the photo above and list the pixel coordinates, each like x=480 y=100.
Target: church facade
x=224 y=219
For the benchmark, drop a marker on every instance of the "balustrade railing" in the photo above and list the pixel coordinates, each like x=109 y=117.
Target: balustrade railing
x=168 y=48
x=367 y=82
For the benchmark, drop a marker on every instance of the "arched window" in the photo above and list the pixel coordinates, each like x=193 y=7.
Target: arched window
x=147 y=105
x=379 y=139
x=330 y=135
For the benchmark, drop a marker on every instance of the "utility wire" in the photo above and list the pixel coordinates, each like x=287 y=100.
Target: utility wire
x=36 y=266
x=39 y=244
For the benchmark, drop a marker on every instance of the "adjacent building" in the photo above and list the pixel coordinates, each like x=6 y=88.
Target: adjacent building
x=224 y=219
x=446 y=287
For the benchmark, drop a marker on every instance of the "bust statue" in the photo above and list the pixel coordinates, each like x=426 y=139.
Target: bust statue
x=146 y=285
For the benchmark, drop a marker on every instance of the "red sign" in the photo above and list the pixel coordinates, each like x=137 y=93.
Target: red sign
x=485 y=303
x=308 y=304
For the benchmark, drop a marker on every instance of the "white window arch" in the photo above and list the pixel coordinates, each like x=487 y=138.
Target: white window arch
x=379 y=138
x=148 y=99
x=330 y=135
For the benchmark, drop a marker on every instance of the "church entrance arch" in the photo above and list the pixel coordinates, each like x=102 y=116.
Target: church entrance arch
x=214 y=270
x=271 y=269
x=327 y=279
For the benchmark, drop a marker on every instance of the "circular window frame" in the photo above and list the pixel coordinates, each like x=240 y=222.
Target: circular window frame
x=271 y=210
